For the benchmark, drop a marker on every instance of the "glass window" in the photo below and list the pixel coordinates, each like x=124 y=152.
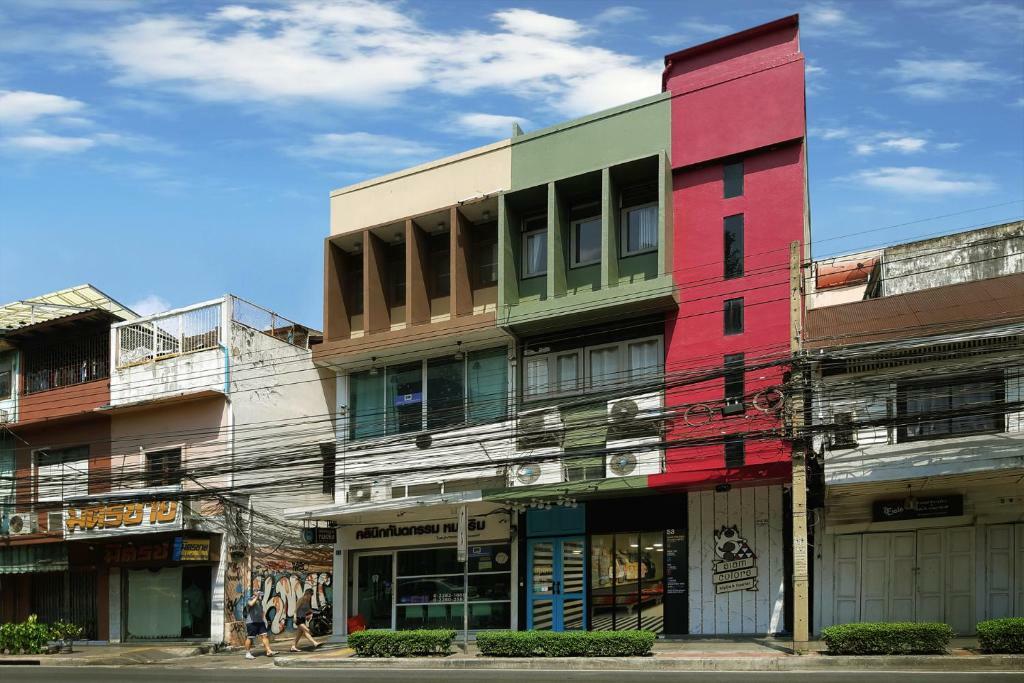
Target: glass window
x=733 y=179
x=586 y=241
x=366 y=404
x=440 y=265
x=6 y=375
x=733 y=383
x=163 y=468
x=734 y=246
x=734 y=452
x=446 y=385
x=567 y=369
x=486 y=255
x=734 y=316
x=536 y=380
x=488 y=385
x=354 y=285
x=937 y=411
x=639 y=229
x=489 y=558
x=428 y=562
x=627 y=573
x=535 y=247
x=62 y=472
x=405 y=398
x=644 y=359
x=604 y=366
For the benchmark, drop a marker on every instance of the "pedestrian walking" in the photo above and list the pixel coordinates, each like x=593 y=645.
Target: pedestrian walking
x=255 y=625
x=302 y=612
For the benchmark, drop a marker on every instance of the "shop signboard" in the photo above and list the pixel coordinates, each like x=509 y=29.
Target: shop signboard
x=320 y=535
x=675 y=562
x=430 y=530
x=734 y=567
x=191 y=549
x=917 y=508
x=117 y=519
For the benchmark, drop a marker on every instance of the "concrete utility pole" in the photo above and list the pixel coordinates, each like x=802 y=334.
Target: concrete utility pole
x=799 y=491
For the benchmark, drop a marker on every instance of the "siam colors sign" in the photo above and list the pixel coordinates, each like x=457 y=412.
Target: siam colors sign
x=117 y=519
x=734 y=567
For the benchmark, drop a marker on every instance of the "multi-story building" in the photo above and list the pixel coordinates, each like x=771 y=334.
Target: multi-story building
x=54 y=374
x=917 y=415
x=505 y=325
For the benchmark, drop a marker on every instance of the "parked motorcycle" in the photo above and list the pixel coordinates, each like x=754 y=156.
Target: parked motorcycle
x=321 y=621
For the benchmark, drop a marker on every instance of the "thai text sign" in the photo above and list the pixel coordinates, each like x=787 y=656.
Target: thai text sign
x=917 y=508
x=191 y=549
x=123 y=518
x=426 y=532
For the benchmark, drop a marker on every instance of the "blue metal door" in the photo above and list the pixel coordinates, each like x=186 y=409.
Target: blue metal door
x=557 y=586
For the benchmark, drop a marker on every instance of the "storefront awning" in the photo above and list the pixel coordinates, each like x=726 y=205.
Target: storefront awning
x=38 y=557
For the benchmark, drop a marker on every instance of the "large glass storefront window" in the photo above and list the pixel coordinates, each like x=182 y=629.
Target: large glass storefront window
x=627 y=580
x=433 y=588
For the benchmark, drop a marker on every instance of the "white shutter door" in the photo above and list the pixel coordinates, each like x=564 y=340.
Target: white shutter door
x=959 y=586
x=999 y=571
x=875 y=572
x=902 y=599
x=847 y=579
x=930 y=575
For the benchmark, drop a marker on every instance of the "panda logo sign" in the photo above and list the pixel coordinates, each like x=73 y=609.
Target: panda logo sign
x=734 y=566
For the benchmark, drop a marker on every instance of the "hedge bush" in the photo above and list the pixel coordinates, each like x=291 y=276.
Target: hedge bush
x=418 y=643
x=899 y=638
x=565 y=644
x=28 y=638
x=1002 y=635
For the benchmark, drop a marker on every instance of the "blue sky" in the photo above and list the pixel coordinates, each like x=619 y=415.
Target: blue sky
x=168 y=152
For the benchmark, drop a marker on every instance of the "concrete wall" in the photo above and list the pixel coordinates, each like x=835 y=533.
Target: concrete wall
x=435 y=185
x=952 y=259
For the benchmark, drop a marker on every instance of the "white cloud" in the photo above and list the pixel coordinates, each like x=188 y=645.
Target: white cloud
x=940 y=79
x=619 y=14
x=831 y=133
x=150 y=304
x=45 y=143
x=365 y=149
x=691 y=32
x=21 y=107
x=489 y=125
x=886 y=142
x=827 y=19
x=531 y=23
x=368 y=54
x=921 y=181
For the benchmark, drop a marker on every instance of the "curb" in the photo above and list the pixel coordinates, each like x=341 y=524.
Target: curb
x=708 y=664
x=127 y=659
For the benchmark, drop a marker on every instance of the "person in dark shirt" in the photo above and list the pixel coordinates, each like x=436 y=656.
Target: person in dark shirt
x=255 y=625
x=302 y=611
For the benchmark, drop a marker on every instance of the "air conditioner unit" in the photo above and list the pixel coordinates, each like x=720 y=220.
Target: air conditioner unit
x=632 y=417
x=364 y=492
x=23 y=523
x=643 y=460
x=542 y=428
x=536 y=473
x=55 y=521
x=5 y=416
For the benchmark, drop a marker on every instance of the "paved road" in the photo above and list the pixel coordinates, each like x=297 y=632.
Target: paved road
x=155 y=674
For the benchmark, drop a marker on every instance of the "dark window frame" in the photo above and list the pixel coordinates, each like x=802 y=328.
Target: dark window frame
x=738 y=456
x=733 y=228
x=329 y=464
x=998 y=381
x=732 y=181
x=733 y=316
x=485 y=243
x=164 y=467
x=733 y=375
x=440 y=255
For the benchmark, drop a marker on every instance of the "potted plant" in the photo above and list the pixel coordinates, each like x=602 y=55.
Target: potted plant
x=66 y=633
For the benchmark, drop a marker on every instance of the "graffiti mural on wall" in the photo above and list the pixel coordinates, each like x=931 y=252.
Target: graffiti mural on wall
x=283 y=584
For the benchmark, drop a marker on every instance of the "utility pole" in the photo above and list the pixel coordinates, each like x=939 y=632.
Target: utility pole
x=799 y=491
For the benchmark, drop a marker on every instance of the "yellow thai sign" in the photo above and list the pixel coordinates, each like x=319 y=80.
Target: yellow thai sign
x=120 y=518
x=195 y=549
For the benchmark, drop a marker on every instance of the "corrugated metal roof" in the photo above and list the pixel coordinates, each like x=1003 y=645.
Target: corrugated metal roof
x=54 y=305
x=917 y=314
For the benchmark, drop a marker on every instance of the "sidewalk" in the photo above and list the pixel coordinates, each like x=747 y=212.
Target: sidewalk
x=706 y=655
x=111 y=655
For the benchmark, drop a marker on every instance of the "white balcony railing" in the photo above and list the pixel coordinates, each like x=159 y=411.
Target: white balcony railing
x=173 y=334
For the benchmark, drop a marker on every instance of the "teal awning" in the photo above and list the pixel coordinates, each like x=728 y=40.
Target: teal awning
x=35 y=557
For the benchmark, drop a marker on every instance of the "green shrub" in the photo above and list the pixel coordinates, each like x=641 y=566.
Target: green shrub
x=28 y=638
x=418 y=643
x=565 y=644
x=1002 y=635
x=899 y=638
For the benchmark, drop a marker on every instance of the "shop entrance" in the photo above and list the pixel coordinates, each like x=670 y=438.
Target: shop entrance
x=373 y=589
x=627 y=586
x=557 y=591
x=168 y=603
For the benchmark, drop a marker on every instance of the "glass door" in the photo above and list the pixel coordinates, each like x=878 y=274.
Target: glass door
x=627 y=584
x=557 y=584
x=374 y=576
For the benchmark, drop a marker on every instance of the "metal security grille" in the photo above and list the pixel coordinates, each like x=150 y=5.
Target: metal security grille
x=74 y=602
x=73 y=361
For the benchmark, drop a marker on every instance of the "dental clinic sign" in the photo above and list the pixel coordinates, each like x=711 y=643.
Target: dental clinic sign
x=402 y=532
x=117 y=519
